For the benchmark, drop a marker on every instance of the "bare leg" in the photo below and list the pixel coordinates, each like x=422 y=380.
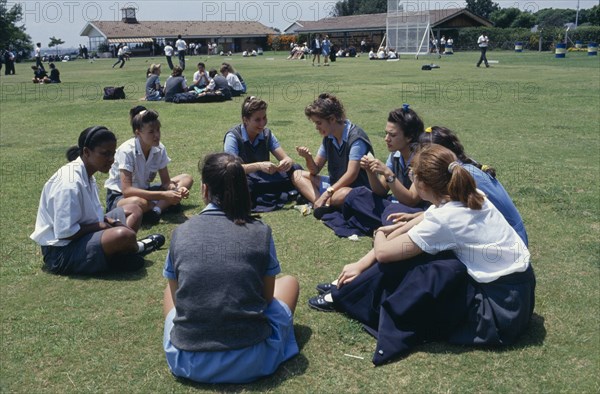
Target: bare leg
x=337 y=200
x=144 y=204
x=183 y=180
x=119 y=240
x=134 y=214
x=168 y=302
x=287 y=290
x=307 y=185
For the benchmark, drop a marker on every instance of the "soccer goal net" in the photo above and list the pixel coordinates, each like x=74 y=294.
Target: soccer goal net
x=407 y=31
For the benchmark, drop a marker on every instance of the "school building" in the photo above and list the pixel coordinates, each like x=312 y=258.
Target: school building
x=149 y=37
x=349 y=31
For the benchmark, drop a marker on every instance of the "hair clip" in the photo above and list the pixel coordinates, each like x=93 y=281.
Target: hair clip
x=452 y=166
x=428 y=130
x=405 y=108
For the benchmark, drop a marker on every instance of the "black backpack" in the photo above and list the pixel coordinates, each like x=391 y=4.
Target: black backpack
x=114 y=93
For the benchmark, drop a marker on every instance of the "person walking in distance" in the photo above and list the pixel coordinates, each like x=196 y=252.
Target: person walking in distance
x=483 y=42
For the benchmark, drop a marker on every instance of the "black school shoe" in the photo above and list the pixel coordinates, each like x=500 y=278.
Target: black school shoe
x=324 y=288
x=320 y=304
x=151 y=217
x=151 y=243
x=319 y=212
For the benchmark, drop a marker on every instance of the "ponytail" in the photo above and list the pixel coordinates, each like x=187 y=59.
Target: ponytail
x=225 y=178
x=437 y=167
x=462 y=187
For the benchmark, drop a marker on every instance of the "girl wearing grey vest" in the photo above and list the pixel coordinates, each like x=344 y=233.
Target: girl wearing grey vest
x=227 y=319
x=254 y=143
x=344 y=144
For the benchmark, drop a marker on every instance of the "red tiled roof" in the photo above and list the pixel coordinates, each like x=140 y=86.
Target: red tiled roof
x=378 y=21
x=195 y=29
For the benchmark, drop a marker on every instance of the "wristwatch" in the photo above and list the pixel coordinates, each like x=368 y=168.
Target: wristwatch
x=390 y=179
x=330 y=190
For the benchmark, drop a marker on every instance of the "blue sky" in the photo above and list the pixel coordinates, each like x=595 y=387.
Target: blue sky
x=66 y=18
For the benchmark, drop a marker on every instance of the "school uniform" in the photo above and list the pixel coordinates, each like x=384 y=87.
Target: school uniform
x=364 y=210
x=266 y=189
x=355 y=144
x=205 y=341
x=483 y=296
x=68 y=201
x=130 y=157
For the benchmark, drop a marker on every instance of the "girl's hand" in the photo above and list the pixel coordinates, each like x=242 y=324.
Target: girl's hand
x=112 y=222
x=349 y=273
x=268 y=167
x=387 y=230
x=185 y=193
x=378 y=167
x=173 y=197
x=402 y=217
x=303 y=151
x=322 y=201
x=285 y=164
x=365 y=162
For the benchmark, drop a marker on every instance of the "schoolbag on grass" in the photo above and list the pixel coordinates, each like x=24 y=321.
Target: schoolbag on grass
x=114 y=93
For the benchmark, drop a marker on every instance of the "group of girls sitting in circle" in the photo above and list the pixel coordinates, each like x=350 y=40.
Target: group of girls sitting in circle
x=207 y=86
x=449 y=263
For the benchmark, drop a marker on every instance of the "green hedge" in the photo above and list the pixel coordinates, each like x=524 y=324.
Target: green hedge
x=506 y=38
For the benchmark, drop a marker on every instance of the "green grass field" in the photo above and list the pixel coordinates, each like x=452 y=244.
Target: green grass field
x=533 y=117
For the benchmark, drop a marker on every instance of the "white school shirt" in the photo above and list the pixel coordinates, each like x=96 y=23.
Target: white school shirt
x=481 y=239
x=129 y=157
x=234 y=82
x=482 y=41
x=38 y=52
x=69 y=199
x=168 y=50
x=181 y=45
x=197 y=76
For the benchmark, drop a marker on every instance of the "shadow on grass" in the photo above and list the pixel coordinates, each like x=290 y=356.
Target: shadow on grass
x=288 y=370
x=534 y=336
x=114 y=275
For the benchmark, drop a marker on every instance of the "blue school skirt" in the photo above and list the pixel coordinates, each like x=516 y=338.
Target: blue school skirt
x=429 y=298
x=238 y=365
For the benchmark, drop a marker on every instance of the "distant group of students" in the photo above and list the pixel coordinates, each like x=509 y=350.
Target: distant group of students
x=206 y=86
x=449 y=259
x=40 y=75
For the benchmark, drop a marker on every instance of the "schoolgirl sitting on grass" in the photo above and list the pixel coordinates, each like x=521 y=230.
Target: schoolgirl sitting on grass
x=227 y=318
x=404 y=296
x=137 y=162
x=75 y=235
x=253 y=142
x=344 y=144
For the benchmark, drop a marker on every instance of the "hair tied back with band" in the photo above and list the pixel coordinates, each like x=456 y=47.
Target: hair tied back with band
x=452 y=166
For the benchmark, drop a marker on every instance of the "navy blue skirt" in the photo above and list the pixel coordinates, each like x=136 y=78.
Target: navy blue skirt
x=430 y=298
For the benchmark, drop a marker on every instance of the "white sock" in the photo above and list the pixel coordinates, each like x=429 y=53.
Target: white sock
x=140 y=246
x=328 y=297
x=157 y=210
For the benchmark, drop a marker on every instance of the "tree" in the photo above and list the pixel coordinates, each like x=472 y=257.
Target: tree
x=359 y=7
x=482 y=8
x=504 y=17
x=55 y=42
x=526 y=20
x=11 y=35
x=591 y=16
x=550 y=17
